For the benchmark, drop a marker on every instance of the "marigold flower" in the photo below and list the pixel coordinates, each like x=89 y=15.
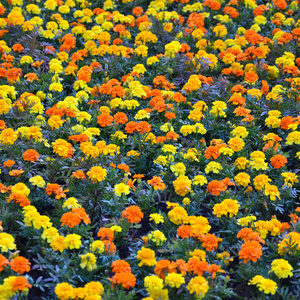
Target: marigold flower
x=106 y=234
x=153 y=283
x=174 y=280
x=185 y=231
x=8 y=163
x=63 y=148
x=157 y=236
x=178 y=215
x=250 y=251
x=4 y=262
x=281 y=268
x=164 y=267
x=182 y=185
x=6 y=242
x=120 y=266
x=20 y=264
x=267 y=286
x=88 y=261
x=278 y=161
x=157 y=183
x=97 y=174
x=157 y=218
x=19 y=198
x=121 y=189
x=31 y=155
x=64 y=291
x=127 y=279
x=215 y=187
x=133 y=214
x=198 y=285
x=146 y=257
x=58 y=244
x=209 y=241
x=72 y=241
x=20 y=284
x=8 y=136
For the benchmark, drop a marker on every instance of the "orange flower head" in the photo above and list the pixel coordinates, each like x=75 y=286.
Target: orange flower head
x=120 y=266
x=4 y=262
x=278 y=161
x=214 y=269
x=185 y=231
x=105 y=234
x=20 y=264
x=8 y=163
x=250 y=251
x=133 y=214
x=31 y=155
x=209 y=241
x=127 y=280
x=79 y=175
x=163 y=267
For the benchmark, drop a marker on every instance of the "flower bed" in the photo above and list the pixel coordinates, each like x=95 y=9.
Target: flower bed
x=149 y=150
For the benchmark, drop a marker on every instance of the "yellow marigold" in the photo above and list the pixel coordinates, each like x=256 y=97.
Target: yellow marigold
x=121 y=189
x=64 y=291
x=182 y=185
x=227 y=206
x=261 y=181
x=241 y=163
x=198 y=285
x=97 y=174
x=157 y=237
x=7 y=242
x=157 y=218
x=174 y=280
x=88 y=261
x=72 y=241
x=272 y=191
x=8 y=136
x=242 y=179
x=146 y=257
x=178 y=169
x=236 y=144
x=178 y=215
x=153 y=283
x=214 y=167
x=63 y=148
x=281 y=268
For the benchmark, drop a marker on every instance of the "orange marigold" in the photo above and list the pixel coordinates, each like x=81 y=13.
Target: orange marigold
x=79 y=175
x=31 y=155
x=215 y=187
x=185 y=231
x=278 y=161
x=250 y=251
x=110 y=247
x=3 y=262
x=120 y=266
x=133 y=214
x=20 y=264
x=20 y=284
x=157 y=183
x=104 y=120
x=164 y=267
x=214 y=269
x=120 y=118
x=197 y=266
x=127 y=280
x=19 y=198
x=8 y=163
x=209 y=241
